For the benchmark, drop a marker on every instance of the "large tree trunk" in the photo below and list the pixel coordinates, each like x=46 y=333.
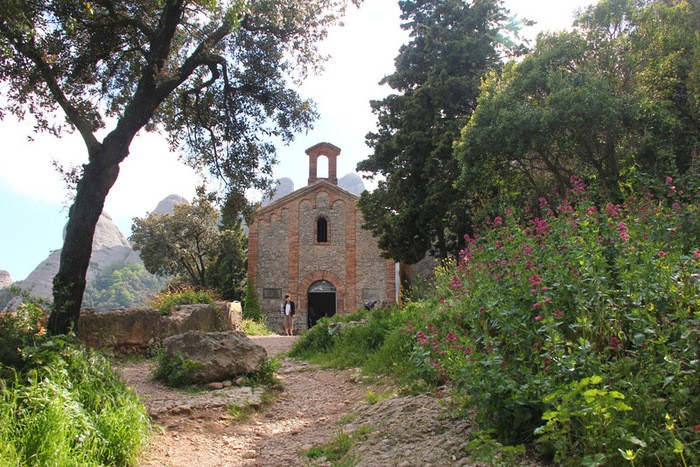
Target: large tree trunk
x=69 y=284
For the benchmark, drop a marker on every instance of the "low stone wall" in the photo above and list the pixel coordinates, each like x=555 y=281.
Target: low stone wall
x=138 y=328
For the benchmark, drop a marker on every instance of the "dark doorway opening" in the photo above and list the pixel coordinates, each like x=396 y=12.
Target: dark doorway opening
x=321 y=301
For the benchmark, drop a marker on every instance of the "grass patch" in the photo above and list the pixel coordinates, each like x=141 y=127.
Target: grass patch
x=375 y=341
x=349 y=418
x=375 y=397
x=241 y=412
x=247 y=410
x=336 y=452
x=266 y=375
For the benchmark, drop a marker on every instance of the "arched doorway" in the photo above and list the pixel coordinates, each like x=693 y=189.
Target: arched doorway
x=321 y=301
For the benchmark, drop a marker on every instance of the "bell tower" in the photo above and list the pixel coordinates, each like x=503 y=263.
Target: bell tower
x=331 y=153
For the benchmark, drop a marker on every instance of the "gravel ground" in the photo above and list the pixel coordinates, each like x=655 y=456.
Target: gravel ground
x=312 y=408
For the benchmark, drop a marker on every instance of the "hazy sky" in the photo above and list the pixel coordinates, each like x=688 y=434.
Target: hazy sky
x=32 y=194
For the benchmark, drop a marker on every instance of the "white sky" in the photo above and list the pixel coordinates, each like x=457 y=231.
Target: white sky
x=32 y=195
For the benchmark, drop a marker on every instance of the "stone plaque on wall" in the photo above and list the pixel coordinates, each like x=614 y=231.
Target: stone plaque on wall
x=272 y=293
x=371 y=294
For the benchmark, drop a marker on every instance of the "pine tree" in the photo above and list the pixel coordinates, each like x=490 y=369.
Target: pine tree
x=416 y=208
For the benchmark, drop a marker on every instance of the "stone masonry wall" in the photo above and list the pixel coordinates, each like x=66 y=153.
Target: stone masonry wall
x=273 y=260
x=373 y=282
x=329 y=256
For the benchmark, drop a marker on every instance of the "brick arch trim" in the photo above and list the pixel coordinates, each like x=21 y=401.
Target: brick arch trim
x=323 y=276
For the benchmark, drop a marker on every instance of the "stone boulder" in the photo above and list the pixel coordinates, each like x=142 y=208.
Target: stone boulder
x=195 y=318
x=129 y=328
x=223 y=355
x=234 y=311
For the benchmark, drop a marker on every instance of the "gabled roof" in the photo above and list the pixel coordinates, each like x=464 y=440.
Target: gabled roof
x=328 y=146
x=305 y=191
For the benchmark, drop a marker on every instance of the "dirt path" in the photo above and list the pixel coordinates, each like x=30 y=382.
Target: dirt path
x=197 y=429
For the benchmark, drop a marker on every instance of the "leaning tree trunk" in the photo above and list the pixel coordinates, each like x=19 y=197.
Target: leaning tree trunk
x=69 y=284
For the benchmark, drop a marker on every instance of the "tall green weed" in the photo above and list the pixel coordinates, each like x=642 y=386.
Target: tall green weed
x=576 y=326
x=62 y=404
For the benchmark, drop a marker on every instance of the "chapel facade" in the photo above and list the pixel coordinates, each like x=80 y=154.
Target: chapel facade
x=311 y=244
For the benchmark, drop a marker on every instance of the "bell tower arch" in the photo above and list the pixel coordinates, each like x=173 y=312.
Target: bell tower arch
x=331 y=153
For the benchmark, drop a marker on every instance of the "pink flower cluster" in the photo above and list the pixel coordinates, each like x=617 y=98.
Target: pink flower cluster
x=612 y=210
x=577 y=185
x=535 y=280
x=615 y=343
x=622 y=229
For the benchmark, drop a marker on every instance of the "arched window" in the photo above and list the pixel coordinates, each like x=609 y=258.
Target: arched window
x=322 y=166
x=321 y=230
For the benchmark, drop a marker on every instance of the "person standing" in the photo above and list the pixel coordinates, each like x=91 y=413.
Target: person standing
x=288 y=309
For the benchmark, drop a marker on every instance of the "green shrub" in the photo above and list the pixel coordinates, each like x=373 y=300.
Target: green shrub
x=251 y=305
x=375 y=341
x=18 y=329
x=337 y=450
x=255 y=328
x=174 y=370
x=266 y=375
x=315 y=341
x=553 y=325
x=184 y=295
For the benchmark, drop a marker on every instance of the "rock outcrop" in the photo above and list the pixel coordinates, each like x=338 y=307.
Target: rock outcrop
x=5 y=279
x=284 y=187
x=352 y=183
x=223 y=355
x=107 y=235
x=109 y=245
x=166 y=206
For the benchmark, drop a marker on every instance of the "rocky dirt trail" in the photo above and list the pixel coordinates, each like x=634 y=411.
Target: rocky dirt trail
x=314 y=406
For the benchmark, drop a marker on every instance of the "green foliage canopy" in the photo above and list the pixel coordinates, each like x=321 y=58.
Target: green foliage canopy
x=251 y=304
x=122 y=286
x=615 y=96
x=188 y=242
x=228 y=273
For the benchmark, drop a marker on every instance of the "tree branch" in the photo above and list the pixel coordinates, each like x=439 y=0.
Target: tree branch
x=29 y=50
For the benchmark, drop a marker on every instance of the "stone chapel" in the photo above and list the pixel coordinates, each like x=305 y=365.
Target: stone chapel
x=311 y=244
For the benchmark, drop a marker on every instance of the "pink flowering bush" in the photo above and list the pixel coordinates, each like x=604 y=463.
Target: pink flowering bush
x=577 y=326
